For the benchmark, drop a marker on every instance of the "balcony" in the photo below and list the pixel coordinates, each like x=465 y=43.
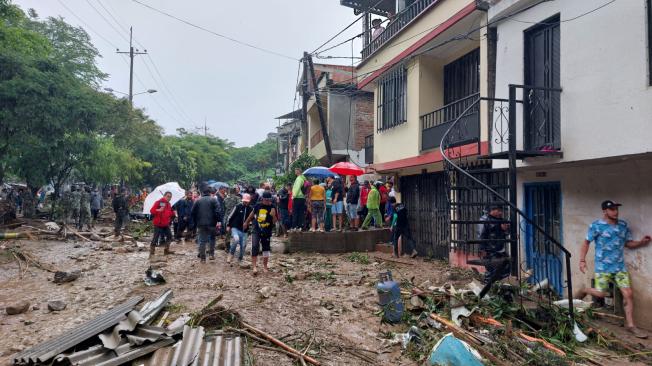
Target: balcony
x=369 y=149
x=401 y=20
x=437 y=122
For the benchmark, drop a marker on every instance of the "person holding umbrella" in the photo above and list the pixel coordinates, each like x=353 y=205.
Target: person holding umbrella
x=162 y=214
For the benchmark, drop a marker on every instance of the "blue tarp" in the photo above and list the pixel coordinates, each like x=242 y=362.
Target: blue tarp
x=450 y=351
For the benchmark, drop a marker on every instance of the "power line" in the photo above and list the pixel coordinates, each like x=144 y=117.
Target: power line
x=87 y=26
x=215 y=33
x=364 y=13
x=173 y=98
x=107 y=21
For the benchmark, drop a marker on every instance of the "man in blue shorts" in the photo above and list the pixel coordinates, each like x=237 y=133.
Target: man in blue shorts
x=611 y=236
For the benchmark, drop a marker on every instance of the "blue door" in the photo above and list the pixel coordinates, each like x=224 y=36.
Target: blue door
x=543 y=206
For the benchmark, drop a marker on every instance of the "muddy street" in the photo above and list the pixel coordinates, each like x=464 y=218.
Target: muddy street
x=330 y=297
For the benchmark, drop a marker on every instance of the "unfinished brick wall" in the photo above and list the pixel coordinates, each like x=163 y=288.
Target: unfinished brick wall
x=363 y=118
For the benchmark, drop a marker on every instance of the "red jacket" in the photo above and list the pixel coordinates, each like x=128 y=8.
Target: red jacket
x=383 y=194
x=163 y=218
x=364 y=192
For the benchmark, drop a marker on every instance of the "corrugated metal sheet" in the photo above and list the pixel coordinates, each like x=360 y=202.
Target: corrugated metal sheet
x=111 y=338
x=147 y=333
x=47 y=350
x=100 y=356
x=214 y=350
x=152 y=308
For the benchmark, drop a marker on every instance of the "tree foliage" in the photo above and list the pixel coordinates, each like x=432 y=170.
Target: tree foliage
x=57 y=125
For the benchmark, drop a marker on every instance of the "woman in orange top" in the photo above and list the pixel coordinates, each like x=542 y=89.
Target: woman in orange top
x=317 y=198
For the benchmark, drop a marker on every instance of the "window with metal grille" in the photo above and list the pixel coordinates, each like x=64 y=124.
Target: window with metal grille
x=391 y=99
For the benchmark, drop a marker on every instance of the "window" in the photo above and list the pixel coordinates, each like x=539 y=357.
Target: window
x=649 y=39
x=392 y=92
x=541 y=107
x=462 y=77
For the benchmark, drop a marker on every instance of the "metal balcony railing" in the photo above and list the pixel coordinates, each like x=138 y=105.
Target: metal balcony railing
x=435 y=123
x=369 y=149
x=400 y=21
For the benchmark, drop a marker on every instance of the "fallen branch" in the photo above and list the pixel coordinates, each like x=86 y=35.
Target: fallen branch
x=545 y=343
x=607 y=315
x=468 y=337
x=280 y=344
x=79 y=235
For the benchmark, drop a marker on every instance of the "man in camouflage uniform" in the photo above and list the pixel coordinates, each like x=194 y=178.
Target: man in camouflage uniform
x=85 y=209
x=75 y=202
x=121 y=208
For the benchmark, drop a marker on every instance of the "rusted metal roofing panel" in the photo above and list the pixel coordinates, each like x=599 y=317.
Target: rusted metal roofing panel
x=47 y=350
x=152 y=308
x=213 y=350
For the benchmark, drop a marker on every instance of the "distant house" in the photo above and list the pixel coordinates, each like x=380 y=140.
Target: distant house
x=289 y=138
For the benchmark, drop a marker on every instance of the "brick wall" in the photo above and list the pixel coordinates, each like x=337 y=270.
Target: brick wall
x=363 y=119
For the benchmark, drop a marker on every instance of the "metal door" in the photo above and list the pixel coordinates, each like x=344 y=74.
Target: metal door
x=425 y=197
x=543 y=206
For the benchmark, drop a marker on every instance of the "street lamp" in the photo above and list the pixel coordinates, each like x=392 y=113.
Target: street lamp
x=149 y=91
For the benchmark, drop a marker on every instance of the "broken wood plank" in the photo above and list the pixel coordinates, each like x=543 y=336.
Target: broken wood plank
x=607 y=315
x=280 y=344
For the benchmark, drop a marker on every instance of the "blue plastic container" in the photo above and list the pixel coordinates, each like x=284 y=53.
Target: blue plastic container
x=389 y=297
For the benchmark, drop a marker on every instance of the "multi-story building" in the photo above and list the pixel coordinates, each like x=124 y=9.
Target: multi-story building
x=581 y=83
x=347 y=113
x=289 y=139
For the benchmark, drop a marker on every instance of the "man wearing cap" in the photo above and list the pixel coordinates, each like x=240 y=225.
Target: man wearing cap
x=611 y=236
x=235 y=224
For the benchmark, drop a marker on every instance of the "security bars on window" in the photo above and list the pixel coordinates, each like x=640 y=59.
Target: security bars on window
x=392 y=104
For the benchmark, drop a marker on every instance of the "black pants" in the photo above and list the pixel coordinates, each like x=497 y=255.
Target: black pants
x=94 y=213
x=407 y=244
x=162 y=235
x=258 y=238
x=182 y=225
x=298 y=212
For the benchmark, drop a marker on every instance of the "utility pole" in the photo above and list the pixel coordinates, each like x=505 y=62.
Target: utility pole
x=205 y=128
x=320 y=109
x=304 y=104
x=131 y=53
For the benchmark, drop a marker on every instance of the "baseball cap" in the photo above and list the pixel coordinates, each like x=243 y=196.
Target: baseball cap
x=246 y=197
x=610 y=204
x=267 y=195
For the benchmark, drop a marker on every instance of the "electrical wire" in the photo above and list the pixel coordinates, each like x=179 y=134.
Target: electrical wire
x=107 y=21
x=364 y=13
x=214 y=33
x=87 y=26
x=569 y=19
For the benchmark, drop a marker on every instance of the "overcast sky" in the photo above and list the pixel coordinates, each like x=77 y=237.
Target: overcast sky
x=239 y=90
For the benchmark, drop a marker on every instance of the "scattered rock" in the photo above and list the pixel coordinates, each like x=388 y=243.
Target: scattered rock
x=245 y=265
x=266 y=292
x=105 y=246
x=77 y=246
x=17 y=308
x=29 y=322
x=121 y=250
x=88 y=288
x=36 y=307
x=56 y=305
x=301 y=276
x=63 y=277
x=416 y=303
x=52 y=226
x=95 y=237
x=18 y=348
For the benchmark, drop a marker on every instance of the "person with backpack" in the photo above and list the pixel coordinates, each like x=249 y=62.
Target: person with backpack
x=264 y=219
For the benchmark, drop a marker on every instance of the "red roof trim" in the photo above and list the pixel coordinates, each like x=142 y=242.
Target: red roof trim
x=418 y=44
x=431 y=157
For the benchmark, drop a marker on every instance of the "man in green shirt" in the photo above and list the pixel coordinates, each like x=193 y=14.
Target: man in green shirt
x=373 y=207
x=298 y=201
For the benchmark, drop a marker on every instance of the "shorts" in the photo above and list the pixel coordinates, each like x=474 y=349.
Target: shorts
x=318 y=211
x=256 y=240
x=352 y=210
x=338 y=208
x=621 y=279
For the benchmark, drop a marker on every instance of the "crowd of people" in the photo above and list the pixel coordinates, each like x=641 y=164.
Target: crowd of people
x=212 y=214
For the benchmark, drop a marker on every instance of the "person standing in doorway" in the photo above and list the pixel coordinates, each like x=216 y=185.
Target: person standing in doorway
x=206 y=216
x=298 y=201
x=352 y=199
x=264 y=218
x=162 y=214
x=611 y=236
x=373 y=208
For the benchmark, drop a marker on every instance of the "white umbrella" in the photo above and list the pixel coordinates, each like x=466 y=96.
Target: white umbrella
x=158 y=192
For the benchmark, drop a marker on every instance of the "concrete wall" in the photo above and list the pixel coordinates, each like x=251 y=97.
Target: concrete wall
x=583 y=188
x=606 y=102
x=363 y=120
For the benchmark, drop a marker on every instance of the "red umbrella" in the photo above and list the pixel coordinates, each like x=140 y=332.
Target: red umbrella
x=346 y=168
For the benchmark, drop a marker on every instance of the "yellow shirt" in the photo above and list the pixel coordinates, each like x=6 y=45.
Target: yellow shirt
x=317 y=193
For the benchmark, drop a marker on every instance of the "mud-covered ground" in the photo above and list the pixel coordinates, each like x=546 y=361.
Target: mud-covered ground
x=328 y=299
